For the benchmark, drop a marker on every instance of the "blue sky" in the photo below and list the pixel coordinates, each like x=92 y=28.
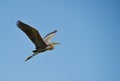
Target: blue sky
x=89 y=32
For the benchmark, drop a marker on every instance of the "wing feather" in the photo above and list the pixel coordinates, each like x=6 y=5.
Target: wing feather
x=33 y=35
x=49 y=36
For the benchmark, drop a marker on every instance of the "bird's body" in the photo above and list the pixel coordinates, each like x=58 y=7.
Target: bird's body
x=41 y=44
x=48 y=47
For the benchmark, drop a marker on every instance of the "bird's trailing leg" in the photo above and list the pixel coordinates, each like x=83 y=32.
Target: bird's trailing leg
x=35 y=52
x=31 y=56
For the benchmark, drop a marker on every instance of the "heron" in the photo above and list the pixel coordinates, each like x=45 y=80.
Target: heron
x=41 y=44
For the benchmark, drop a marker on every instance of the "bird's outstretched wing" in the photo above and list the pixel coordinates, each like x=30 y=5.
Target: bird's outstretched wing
x=33 y=35
x=49 y=36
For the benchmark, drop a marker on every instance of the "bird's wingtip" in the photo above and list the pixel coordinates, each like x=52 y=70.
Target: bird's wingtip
x=55 y=31
x=18 y=21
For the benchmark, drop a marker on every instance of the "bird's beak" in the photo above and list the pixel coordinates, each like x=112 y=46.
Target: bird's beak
x=55 y=43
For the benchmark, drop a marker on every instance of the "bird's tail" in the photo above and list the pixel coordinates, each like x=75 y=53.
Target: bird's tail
x=31 y=56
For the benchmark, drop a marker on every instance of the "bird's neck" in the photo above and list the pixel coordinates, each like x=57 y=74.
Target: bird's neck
x=50 y=47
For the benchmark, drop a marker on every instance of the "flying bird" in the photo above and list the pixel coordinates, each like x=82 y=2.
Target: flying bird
x=41 y=44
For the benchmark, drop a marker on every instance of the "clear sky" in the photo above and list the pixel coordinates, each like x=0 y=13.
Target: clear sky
x=89 y=32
